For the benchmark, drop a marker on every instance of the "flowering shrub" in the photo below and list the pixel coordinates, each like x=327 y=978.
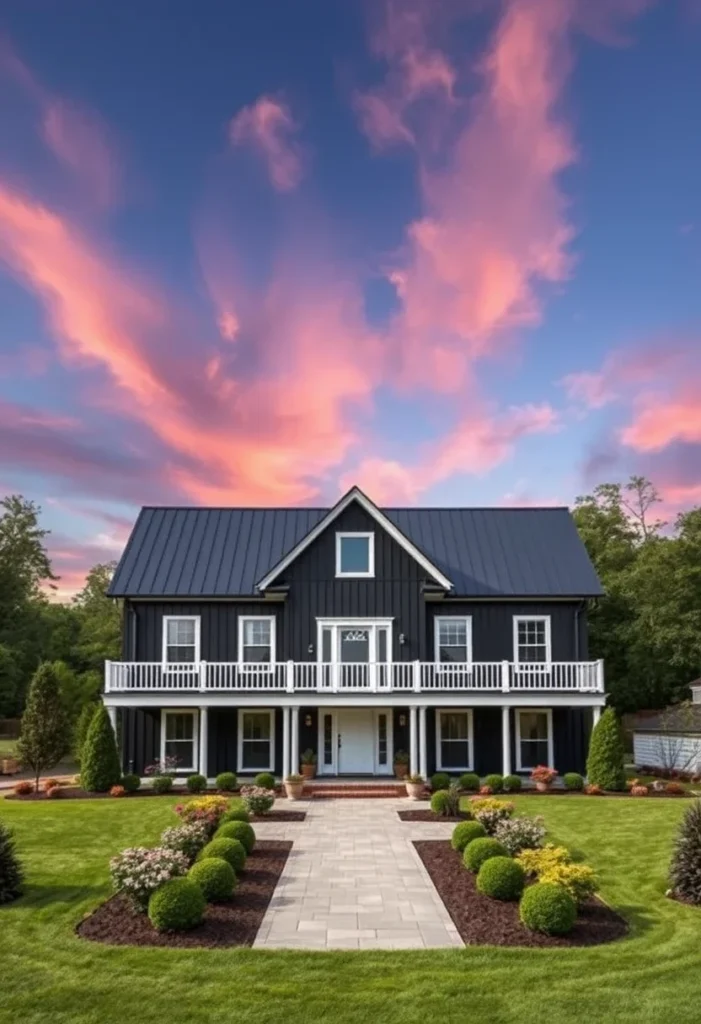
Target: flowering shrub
x=578 y=879
x=54 y=792
x=188 y=839
x=675 y=789
x=48 y=784
x=165 y=766
x=138 y=872
x=488 y=812
x=24 y=788
x=206 y=809
x=518 y=834
x=118 y=791
x=486 y=790
x=535 y=862
x=544 y=774
x=592 y=790
x=256 y=799
x=639 y=790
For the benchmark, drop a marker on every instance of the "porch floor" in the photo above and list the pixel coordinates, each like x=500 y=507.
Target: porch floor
x=353 y=880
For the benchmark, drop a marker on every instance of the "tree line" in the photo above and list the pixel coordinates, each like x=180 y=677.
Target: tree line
x=647 y=627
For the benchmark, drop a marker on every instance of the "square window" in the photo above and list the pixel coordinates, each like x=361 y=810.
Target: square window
x=257 y=640
x=181 y=639
x=532 y=640
x=355 y=554
x=453 y=639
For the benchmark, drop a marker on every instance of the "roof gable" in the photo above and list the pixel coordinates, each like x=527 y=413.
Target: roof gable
x=355 y=495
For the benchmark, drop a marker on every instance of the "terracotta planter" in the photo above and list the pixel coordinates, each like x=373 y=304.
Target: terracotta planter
x=294 y=790
x=401 y=770
x=10 y=765
x=415 y=790
x=308 y=771
x=543 y=787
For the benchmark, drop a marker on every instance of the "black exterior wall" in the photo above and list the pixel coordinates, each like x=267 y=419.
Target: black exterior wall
x=139 y=732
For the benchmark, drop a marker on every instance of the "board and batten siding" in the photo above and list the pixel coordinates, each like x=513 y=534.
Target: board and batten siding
x=674 y=750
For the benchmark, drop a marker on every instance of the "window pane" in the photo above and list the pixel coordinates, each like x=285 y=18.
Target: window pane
x=256 y=654
x=382 y=739
x=355 y=554
x=256 y=726
x=255 y=754
x=533 y=753
x=328 y=739
x=256 y=633
x=454 y=754
x=326 y=636
x=453 y=654
x=452 y=640
x=454 y=726
x=181 y=632
x=179 y=727
x=382 y=644
x=355 y=645
x=176 y=655
x=183 y=751
x=534 y=725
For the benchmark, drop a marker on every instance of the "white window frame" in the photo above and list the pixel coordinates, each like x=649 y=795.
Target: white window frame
x=270 y=767
x=370 y=537
x=548 y=712
x=165 y=712
x=470 y=739
x=436 y=640
x=165 y=645
x=257 y=666
x=338 y=625
x=548 y=640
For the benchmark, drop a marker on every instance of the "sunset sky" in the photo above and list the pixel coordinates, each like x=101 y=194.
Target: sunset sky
x=253 y=253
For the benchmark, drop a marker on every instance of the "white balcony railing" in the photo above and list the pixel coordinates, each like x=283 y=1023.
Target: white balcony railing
x=361 y=677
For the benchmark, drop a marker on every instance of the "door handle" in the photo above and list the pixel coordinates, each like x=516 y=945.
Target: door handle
x=339 y=741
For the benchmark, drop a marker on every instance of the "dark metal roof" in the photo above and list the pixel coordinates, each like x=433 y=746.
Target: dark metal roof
x=485 y=552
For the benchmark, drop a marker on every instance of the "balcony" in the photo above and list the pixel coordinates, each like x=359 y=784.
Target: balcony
x=381 y=677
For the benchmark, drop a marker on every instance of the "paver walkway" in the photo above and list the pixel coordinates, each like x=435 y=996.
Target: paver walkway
x=353 y=880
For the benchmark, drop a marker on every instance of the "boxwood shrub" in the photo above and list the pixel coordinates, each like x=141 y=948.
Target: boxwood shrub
x=131 y=783
x=178 y=905
x=479 y=851
x=226 y=781
x=469 y=782
x=512 y=783
x=236 y=812
x=573 y=780
x=495 y=783
x=162 y=783
x=548 y=908
x=501 y=878
x=196 y=783
x=228 y=848
x=440 y=780
x=215 y=877
x=265 y=780
x=464 y=833
x=242 y=831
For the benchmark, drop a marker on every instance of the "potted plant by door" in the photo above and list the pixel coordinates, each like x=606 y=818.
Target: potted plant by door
x=308 y=760
x=543 y=777
x=294 y=786
x=415 y=786
x=401 y=764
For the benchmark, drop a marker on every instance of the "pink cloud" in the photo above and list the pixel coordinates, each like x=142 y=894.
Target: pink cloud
x=659 y=421
x=268 y=126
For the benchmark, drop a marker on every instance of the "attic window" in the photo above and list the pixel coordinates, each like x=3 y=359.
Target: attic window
x=355 y=554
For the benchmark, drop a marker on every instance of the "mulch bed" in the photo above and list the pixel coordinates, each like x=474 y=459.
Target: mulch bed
x=234 y=923
x=482 y=921
x=430 y=816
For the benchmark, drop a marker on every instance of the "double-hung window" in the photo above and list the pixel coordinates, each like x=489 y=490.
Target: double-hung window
x=355 y=554
x=534 y=739
x=454 y=744
x=257 y=640
x=256 y=741
x=453 y=639
x=532 y=639
x=181 y=639
x=179 y=739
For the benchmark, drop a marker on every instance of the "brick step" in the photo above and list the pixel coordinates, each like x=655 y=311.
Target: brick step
x=349 y=790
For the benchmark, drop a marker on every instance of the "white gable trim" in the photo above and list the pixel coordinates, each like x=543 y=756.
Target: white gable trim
x=355 y=494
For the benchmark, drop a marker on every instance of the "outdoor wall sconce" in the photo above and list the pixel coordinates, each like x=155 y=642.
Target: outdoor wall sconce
x=402 y=639
x=307 y=720
x=310 y=649
x=402 y=720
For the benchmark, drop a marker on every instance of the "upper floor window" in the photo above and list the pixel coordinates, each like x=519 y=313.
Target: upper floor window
x=355 y=554
x=532 y=639
x=453 y=638
x=181 y=639
x=257 y=639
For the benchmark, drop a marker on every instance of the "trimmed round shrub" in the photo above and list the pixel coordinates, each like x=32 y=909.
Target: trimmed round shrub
x=162 y=783
x=196 y=783
x=264 y=780
x=226 y=781
x=440 y=780
x=237 y=812
x=229 y=849
x=178 y=905
x=215 y=877
x=442 y=802
x=548 y=908
x=573 y=780
x=495 y=783
x=464 y=833
x=479 y=851
x=131 y=783
x=501 y=878
x=469 y=782
x=606 y=761
x=242 y=831
x=512 y=783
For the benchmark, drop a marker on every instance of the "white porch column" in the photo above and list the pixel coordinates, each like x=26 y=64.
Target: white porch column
x=423 y=752
x=112 y=714
x=595 y=715
x=294 y=752
x=204 y=729
x=505 y=740
x=285 y=742
x=413 y=741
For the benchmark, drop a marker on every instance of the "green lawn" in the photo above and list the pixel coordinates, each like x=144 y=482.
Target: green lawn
x=49 y=975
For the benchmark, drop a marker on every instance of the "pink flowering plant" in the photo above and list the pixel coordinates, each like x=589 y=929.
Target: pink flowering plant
x=138 y=872
x=206 y=810
x=188 y=839
x=164 y=766
x=256 y=799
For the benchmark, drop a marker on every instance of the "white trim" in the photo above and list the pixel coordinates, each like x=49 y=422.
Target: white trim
x=550 y=739
x=401 y=699
x=548 y=638
x=370 y=538
x=270 y=767
x=164 y=639
x=321 y=767
x=470 y=739
x=355 y=494
x=259 y=666
x=437 y=619
x=165 y=712
x=353 y=623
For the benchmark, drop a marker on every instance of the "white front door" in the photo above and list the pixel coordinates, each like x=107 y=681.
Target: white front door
x=356 y=741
